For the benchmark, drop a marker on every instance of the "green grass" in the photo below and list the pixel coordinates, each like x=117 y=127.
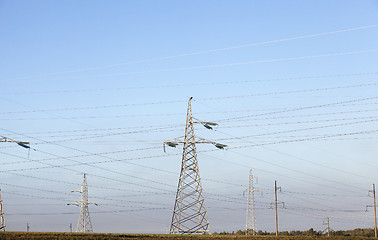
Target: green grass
x=108 y=236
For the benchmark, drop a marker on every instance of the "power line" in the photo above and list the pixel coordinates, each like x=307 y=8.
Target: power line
x=312 y=162
x=311 y=138
x=197 y=53
x=297 y=171
x=99 y=107
x=202 y=83
x=323 y=194
x=198 y=67
x=297 y=109
x=272 y=172
x=302 y=129
x=151 y=127
x=302 y=115
x=178 y=101
x=293 y=91
x=76 y=156
x=302 y=122
x=70 y=194
x=93 y=212
x=91 y=165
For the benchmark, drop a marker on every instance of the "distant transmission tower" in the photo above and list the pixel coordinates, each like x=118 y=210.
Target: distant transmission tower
x=2 y=219
x=189 y=213
x=251 y=228
x=84 y=224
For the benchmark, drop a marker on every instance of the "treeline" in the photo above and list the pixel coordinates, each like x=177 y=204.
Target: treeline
x=362 y=232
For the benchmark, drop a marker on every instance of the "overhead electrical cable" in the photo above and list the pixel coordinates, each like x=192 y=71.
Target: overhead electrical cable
x=204 y=99
x=289 y=92
x=273 y=172
x=103 y=135
x=302 y=129
x=297 y=109
x=316 y=163
x=275 y=60
x=94 y=166
x=76 y=156
x=297 y=171
x=302 y=122
x=98 y=107
x=202 y=83
x=197 y=53
x=304 y=115
x=311 y=138
x=151 y=127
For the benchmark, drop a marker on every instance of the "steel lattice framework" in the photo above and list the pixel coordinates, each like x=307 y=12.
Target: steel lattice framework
x=251 y=228
x=189 y=214
x=84 y=223
x=2 y=219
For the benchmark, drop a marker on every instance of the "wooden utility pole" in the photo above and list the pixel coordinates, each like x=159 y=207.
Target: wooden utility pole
x=276 y=203
x=375 y=213
x=375 y=210
x=328 y=226
x=327 y=229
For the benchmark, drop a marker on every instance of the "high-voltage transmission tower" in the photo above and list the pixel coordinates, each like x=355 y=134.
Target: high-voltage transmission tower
x=84 y=224
x=2 y=219
x=189 y=213
x=250 y=227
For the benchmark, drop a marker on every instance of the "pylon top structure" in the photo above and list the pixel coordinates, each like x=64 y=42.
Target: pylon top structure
x=189 y=213
x=2 y=219
x=84 y=223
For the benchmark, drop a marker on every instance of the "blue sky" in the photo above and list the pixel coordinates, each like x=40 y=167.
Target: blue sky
x=292 y=85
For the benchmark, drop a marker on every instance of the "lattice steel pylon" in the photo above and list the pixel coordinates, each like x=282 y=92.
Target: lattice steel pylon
x=84 y=223
x=2 y=219
x=189 y=213
x=250 y=226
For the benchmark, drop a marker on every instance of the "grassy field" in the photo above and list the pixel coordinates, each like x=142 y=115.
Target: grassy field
x=98 y=236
